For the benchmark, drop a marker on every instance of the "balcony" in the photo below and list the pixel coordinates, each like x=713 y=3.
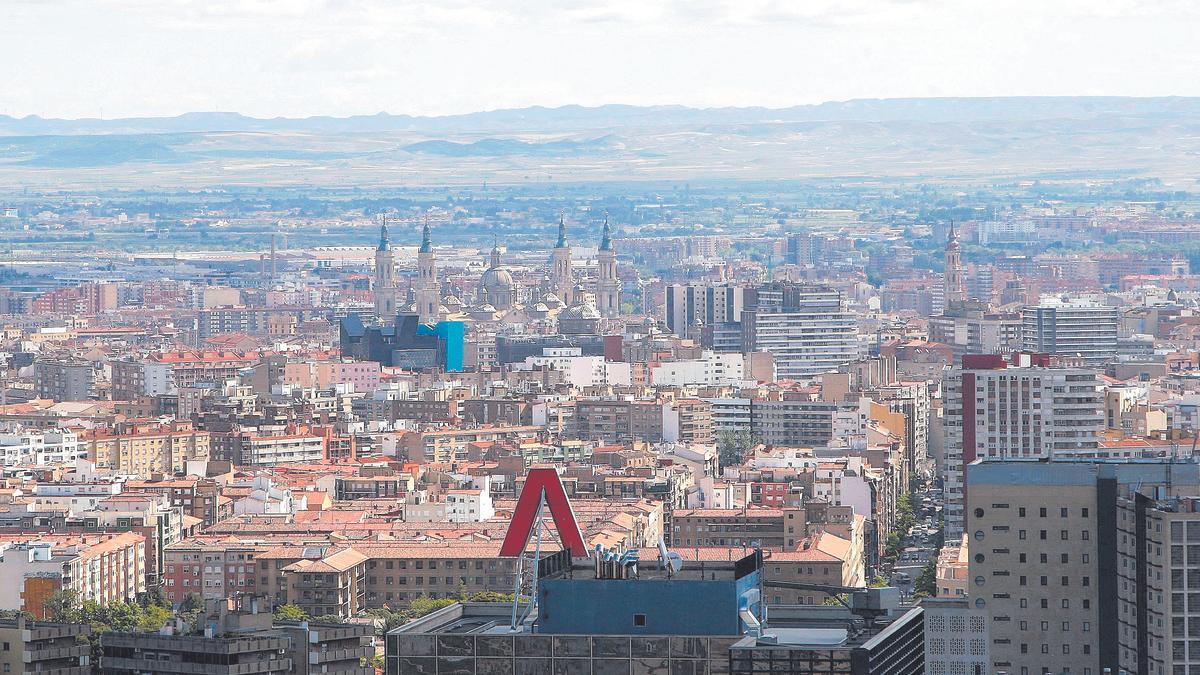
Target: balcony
x=189 y=668
x=52 y=653
x=331 y=655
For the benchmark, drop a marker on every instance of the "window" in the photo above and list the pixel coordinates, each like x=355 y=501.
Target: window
x=1021 y=512
x=639 y=619
x=1042 y=512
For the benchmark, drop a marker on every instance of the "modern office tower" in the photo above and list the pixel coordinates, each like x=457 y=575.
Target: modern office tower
x=561 y=276
x=1082 y=329
x=806 y=328
x=1045 y=563
x=1158 y=561
x=385 y=276
x=702 y=618
x=693 y=308
x=428 y=294
x=608 y=286
x=1028 y=409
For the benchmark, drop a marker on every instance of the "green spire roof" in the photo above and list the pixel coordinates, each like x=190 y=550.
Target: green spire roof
x=384 y=244
x=606 y=239
x=426 y=240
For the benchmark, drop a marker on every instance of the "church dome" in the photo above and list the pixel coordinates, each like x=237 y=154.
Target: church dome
x=583 y=311
x=496 y=279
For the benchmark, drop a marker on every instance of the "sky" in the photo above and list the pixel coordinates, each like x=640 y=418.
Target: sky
x=295 y=58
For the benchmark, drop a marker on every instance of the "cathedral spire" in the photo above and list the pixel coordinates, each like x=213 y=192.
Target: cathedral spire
x=426 y=239
x=562 y=233
x=606 y=239
x=384 y=243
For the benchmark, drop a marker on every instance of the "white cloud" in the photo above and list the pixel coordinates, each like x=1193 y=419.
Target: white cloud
x=299 y=57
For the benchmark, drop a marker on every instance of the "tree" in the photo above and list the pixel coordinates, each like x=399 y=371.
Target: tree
x=64 y=607
x=926 y=584
x=290 y=612
x=733 y=446
x=426 y=605
x=387 y=620
x=191 y=608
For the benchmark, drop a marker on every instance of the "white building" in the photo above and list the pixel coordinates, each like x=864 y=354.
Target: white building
x=807 y=329
x=1075 y=328
x=996 y=410
x=40 y=448
x=956 y=640
x=579 y=370
x=711 y=369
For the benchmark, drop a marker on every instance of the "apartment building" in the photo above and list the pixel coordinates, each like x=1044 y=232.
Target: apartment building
x=691 y=308
x=241 y=637
x=802 y=422
x=451 y=445
x=972 y=328
x=132 y=379
x=1046 y=565
x=806 y=328
x=102 y=568
x=40 y=448
x=1024 y=409
x=1078 y=329
x=65 y=379
x=782 y=529
x=142 y=450
x=44 y=647
x=211 y=568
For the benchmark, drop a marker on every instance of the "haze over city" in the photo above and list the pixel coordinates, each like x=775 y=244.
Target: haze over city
x=296 y=58
x=599 y=338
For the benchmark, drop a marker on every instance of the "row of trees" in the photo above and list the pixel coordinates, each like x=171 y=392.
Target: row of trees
x=387 y=618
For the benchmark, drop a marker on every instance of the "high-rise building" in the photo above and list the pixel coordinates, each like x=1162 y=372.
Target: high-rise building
x=1158 y=558
x=385 y=276
x=65 y=379
x=1081 y=329
x=608 y=286
x=806 y=328
x=1071 y=576
x=562 y=278
x=428 y=294
x=696 y=310
x=1028 y=409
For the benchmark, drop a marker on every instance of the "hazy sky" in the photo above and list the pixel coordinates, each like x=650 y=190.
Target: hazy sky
x=76 y=58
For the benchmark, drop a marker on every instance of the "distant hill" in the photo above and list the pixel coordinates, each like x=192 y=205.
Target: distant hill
x=1061 y=138
x=573 y=117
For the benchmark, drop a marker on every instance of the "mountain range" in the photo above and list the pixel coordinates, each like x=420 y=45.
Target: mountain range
x=910 y=139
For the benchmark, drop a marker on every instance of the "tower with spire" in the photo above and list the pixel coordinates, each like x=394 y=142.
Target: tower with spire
x=385 y=276
x=954 y=289
x=562 y=279
x=608 y=286
x=428 y=295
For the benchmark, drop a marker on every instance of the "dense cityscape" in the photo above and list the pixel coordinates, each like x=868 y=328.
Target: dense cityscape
x=601 y=337
x=904 y=431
